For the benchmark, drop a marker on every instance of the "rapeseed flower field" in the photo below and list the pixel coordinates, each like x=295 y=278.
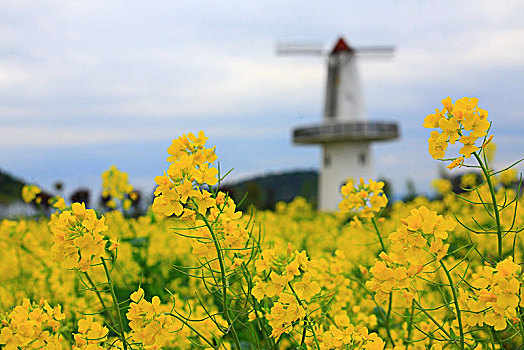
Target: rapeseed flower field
x=196 y=272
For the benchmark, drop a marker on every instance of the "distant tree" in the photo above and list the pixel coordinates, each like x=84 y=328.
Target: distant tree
x=230 y=191
x=81 y=195
x=41 y=202
x=103 y=202
x=310 y=189
x=265 y=191
x=135 y=197
x=58 y=186
x=388 y=191
x=270 y=201
x=411 y=191
x=255 y=195
x=10 y=188
x=462 y=182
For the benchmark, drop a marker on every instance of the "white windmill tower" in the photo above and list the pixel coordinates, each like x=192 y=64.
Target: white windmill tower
x=344 y=133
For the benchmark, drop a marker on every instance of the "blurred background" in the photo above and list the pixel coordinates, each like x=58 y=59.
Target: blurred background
x=88 y=84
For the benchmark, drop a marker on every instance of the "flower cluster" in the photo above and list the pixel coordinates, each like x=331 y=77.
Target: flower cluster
x=155 y=325
x=495 y=295
x=221 y=225
x=338 y=275
x=345 y=336
x=417 y=242
x=91 y=335
x=454 y=120
x=57 y=202
x=211 y=215
x=149 y=322
x=31 y=326
x=288 y=283
x=30 y=193
x=77 y=237
x=508 y=177
x=364 y=199
x=178 y=191
x=290 y=286
x=116 y=188
x=237 y=286
x=442 y=186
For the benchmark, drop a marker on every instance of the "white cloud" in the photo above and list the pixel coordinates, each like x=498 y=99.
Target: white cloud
x=88 y=72
x=55 y=136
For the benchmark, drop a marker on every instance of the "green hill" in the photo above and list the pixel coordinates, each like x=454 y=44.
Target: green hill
x=265 y=191
x=10 y=188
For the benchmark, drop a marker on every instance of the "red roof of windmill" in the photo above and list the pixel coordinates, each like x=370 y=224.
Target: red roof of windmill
x=341 y=46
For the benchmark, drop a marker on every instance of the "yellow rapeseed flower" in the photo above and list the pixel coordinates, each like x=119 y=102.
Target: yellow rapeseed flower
x=29 y=193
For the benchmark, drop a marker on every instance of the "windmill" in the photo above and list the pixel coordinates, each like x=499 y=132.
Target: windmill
x=345 y=134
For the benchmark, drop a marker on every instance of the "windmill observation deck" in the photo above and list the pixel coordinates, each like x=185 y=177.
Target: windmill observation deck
x=346 y=131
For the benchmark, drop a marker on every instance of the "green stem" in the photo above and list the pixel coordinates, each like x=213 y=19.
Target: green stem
x=455 y=300
x=388 y=315
x=224 y=281
x=419 y=307
x=378 y=234
x=521 y=328
x=410 y=326
x=253 y=301
x=491 y=338
x=305 y=317
x=303 y=340
x=115 y=303
x=97 y=292
x=494 y=200
x=496 y=337
x=193 y=329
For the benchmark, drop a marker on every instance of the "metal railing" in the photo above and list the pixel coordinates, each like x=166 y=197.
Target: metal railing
x=346 y=131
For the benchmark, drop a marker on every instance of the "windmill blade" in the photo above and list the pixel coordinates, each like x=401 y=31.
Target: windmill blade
x=375 y=51
x=299 y=49
x=316 y=49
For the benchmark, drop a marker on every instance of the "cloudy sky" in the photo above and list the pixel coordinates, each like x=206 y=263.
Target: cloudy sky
x=88 y=84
